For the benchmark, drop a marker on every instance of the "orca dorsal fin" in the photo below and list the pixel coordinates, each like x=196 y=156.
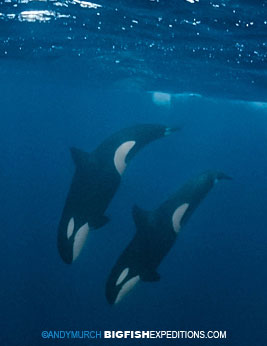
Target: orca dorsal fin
x=141 y=218
x=79 y=156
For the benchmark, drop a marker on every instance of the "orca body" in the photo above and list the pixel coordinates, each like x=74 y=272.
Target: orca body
x=96 y=180
x=156 y=232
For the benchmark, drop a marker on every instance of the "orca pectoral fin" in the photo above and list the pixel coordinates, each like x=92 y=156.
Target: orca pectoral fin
x=150 y=276
x=79 y=156
x=100 y=222
x=141 y=218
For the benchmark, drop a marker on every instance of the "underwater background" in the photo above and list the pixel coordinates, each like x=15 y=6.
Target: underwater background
x=74 y=72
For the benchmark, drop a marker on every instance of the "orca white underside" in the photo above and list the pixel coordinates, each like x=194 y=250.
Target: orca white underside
x=79 y=238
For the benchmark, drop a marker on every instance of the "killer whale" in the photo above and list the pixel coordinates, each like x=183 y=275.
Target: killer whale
x=156 y=232
x=96 y=179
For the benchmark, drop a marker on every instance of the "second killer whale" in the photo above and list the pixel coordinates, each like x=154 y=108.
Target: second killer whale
x=156 y=232
x=96 y=179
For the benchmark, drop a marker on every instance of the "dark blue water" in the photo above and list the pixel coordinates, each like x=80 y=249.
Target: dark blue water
x=59 y=89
